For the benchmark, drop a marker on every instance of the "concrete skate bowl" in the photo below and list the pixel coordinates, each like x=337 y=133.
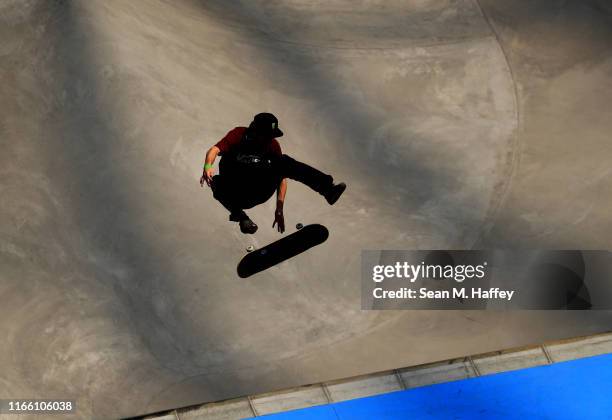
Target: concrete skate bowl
x=457 y=125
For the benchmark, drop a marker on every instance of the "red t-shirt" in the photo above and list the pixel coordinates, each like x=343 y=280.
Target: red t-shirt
x=232 y=139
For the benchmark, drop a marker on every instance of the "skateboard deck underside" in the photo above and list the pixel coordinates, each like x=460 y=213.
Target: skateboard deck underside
x=282 y=250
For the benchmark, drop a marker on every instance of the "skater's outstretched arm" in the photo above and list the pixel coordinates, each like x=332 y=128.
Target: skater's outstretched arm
x=209 y=171
x=279 y=218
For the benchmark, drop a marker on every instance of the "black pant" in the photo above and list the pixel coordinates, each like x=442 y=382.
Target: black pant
x=239 y=191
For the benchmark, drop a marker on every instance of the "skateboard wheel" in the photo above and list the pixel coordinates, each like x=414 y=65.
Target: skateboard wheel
x=263 y=251
x=299 y=226
x=250 y=248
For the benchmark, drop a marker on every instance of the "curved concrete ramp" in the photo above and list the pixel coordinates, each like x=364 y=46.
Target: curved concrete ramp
x=456 y=124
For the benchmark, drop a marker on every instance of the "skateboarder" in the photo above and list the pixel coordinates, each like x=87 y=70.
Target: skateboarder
x=252 y=168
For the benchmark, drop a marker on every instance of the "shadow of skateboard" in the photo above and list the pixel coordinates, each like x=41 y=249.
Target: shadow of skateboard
x=283 y=249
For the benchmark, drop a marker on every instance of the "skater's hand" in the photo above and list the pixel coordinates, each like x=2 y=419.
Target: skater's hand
x=207 y=177
x=279 y=220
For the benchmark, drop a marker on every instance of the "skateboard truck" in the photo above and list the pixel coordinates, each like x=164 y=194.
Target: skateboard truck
x=251 y=248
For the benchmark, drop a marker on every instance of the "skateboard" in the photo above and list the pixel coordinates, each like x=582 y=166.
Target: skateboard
x=291 y=245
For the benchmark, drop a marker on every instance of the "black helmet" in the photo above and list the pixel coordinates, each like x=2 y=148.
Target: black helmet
x=265 y=124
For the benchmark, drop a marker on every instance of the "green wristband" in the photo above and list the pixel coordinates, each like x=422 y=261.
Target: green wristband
x=207 y=166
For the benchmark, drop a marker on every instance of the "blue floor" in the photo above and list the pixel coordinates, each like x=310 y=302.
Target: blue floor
x=578 y=389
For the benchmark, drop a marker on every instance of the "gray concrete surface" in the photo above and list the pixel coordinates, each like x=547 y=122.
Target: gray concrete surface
x=362 y=387
x=396 y=380
x=456 y=123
